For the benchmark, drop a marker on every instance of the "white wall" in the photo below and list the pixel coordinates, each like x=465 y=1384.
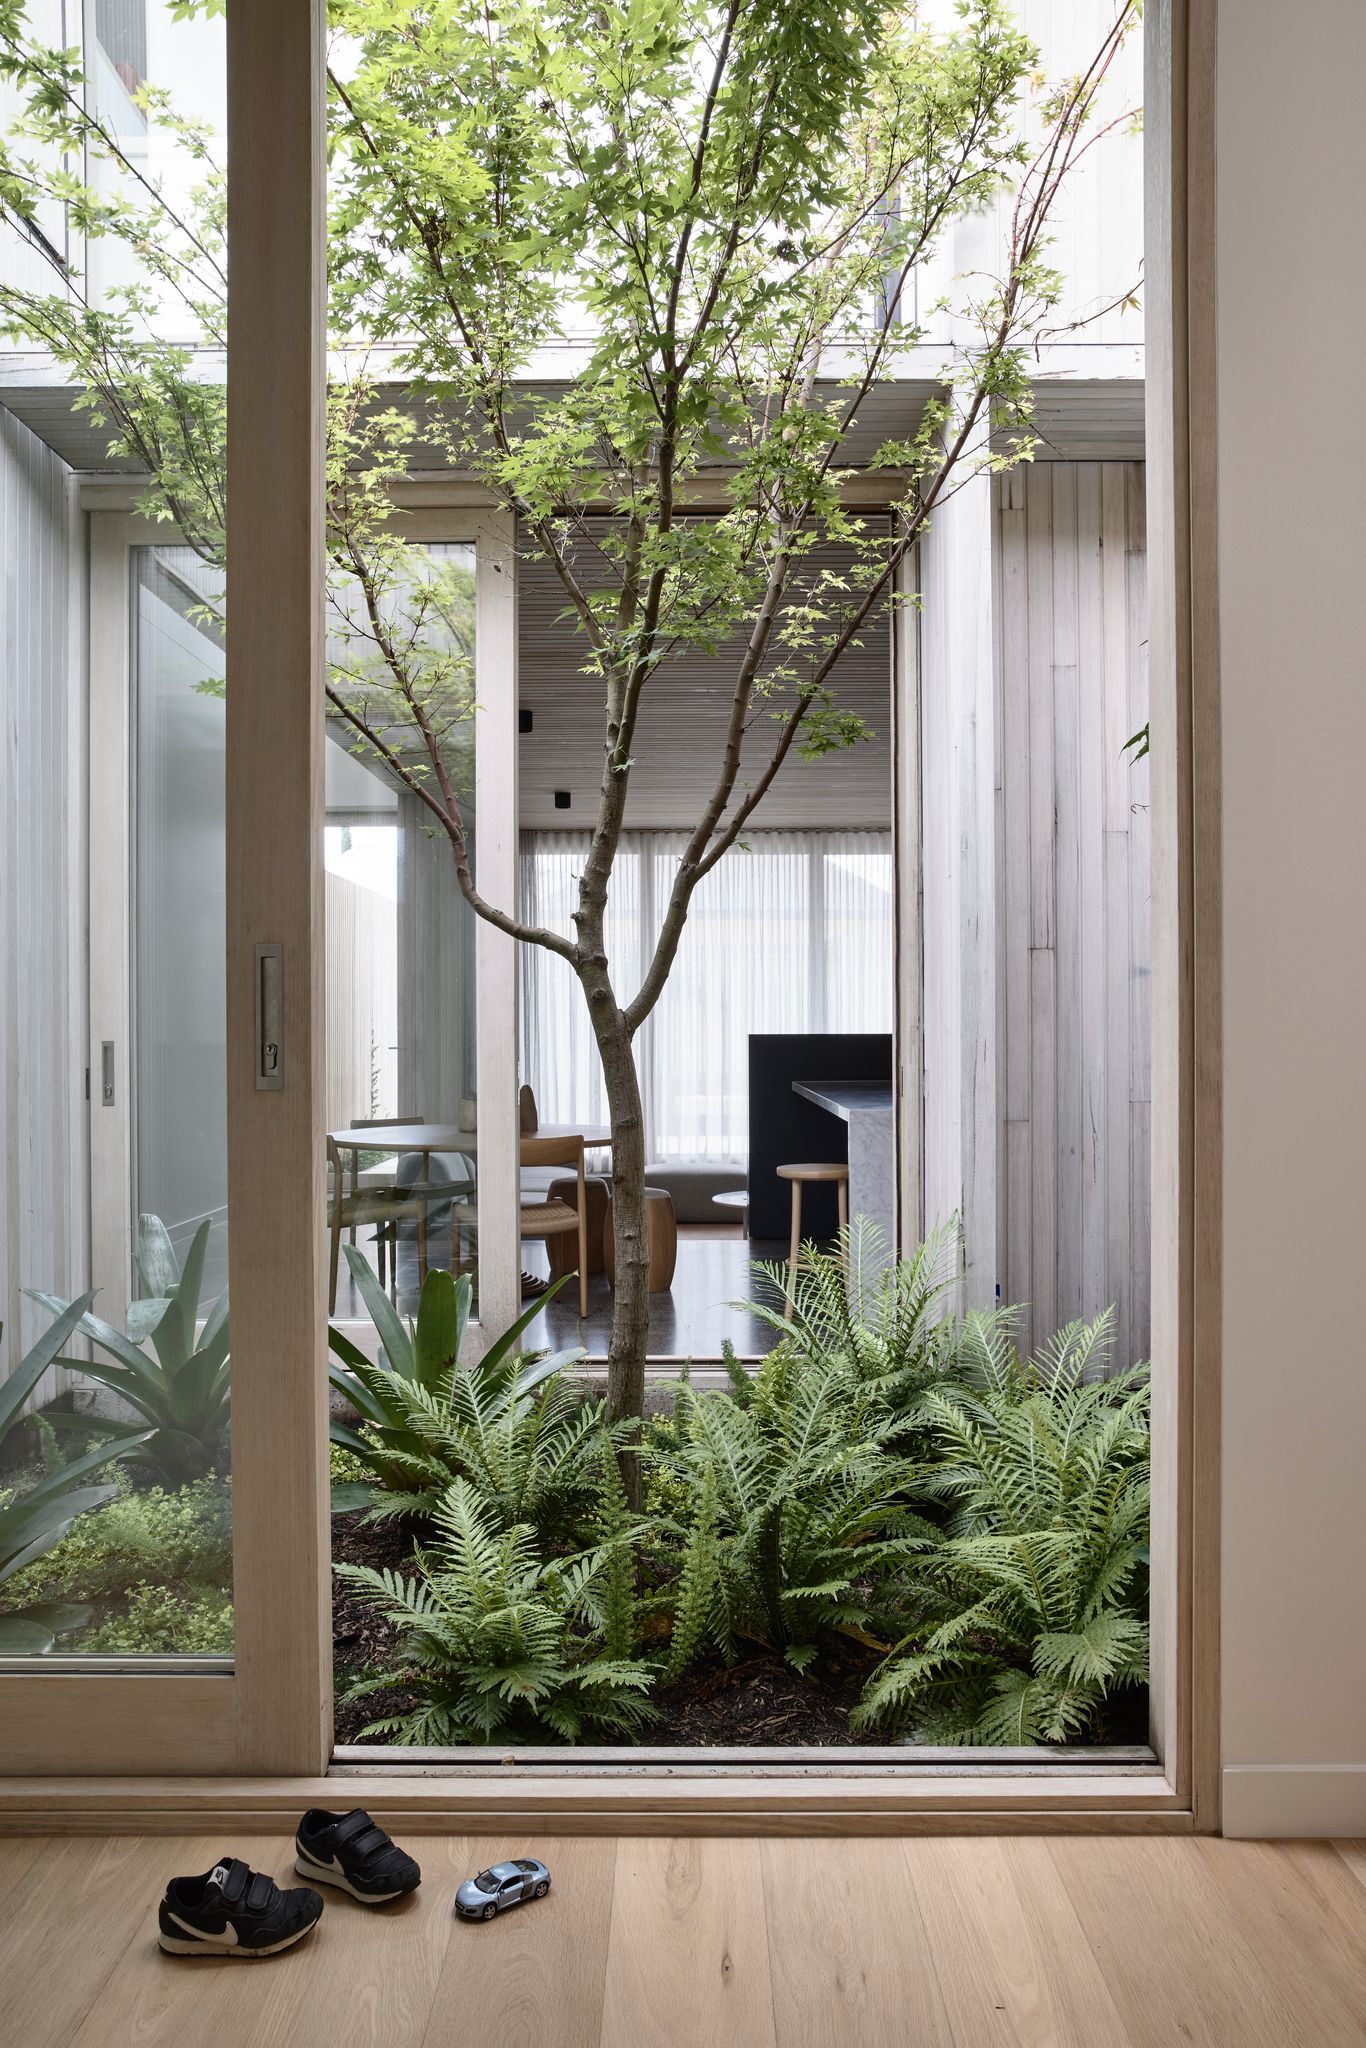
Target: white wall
x=1292 y=513
x=43 y=1203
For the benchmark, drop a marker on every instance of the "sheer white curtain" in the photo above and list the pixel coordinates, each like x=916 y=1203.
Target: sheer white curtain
x=792 y=934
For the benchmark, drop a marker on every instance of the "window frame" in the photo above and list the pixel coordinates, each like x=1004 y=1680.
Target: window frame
x=205 y=1748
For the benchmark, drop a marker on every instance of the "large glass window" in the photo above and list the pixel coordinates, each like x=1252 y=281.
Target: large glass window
x=115 y=1507
x=402 y=1108
x=179 y=930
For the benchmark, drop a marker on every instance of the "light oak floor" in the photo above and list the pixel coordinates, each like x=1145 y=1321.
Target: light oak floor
x=945 y=1943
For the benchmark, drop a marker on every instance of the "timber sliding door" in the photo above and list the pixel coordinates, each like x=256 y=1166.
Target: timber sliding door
x=204 y=1039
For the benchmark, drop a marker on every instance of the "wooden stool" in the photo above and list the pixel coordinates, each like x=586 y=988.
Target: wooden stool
x=563 y=1251
x=835 y=1170
x=662 y=1226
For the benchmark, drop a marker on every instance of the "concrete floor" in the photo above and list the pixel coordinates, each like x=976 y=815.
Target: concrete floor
x=714 y=1272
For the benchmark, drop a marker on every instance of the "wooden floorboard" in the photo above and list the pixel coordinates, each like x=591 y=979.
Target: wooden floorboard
x=1058 y=1942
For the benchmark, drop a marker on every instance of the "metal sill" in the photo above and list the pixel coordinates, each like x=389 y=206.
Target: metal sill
x=899 y=1760
x=109 y=1667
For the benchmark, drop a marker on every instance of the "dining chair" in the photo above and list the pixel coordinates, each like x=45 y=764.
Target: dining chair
x=544 y=1219
x=384 y=1175
x=383 y=1206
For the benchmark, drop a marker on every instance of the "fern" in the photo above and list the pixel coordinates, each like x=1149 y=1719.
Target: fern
x=1034 y=1608
x=883 y=1327
x=498 y=1645
x=798 y=1515
x=525 y=1438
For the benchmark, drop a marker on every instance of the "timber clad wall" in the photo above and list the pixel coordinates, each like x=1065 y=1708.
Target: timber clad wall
x=43 y=1222
x=1073 y=965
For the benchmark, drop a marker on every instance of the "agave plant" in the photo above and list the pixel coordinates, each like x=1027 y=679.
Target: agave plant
x=181 y=1386
x=32 y=1522
x=528 y=1442
x=498 y=1645
x=1035 y=1605
x=797 y=1518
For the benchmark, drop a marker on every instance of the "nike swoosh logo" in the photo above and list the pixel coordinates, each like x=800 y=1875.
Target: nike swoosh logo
x=227 y=1934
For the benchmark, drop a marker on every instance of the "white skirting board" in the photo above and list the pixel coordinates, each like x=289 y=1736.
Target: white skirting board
x=1261 y=1800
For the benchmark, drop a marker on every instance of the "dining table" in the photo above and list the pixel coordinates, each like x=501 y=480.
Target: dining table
x=427 y=1138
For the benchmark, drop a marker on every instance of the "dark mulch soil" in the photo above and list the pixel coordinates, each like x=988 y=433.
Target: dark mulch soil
x=756 y=1702
x=362 y=1640
x=761 y=1702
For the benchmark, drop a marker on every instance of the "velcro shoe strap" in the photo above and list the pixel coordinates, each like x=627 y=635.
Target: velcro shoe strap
x=350 y=1825
x=358 y=1833
x=259 y=1892
x=233 y=1882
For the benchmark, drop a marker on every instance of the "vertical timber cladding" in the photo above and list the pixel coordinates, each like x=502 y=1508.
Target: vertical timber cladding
x=1034 y=892
x=1073 y=1001
x=44 y=1238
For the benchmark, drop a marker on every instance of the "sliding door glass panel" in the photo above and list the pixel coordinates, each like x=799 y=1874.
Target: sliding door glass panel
x=179 y=928
x=400 y=816
x=115 y=1511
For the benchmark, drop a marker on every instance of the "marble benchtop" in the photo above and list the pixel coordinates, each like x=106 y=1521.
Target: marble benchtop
x=847 y=1099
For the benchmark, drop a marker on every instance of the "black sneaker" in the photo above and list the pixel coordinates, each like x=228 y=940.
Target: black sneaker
x=234 y=1911
x=350 y=1850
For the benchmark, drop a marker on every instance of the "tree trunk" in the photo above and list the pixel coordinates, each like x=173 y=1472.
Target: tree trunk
x=631 y=1299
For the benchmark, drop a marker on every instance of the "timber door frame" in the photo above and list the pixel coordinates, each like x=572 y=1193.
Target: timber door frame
x=272 y=1719
x=272 y=1712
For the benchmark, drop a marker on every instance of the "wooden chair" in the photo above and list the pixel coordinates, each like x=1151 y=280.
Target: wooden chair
x=382 y=1206
x=547 y=1219
x=826 y=1170
x=370 y=1178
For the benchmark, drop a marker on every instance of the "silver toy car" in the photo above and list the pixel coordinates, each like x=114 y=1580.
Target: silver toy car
x=500 y=1886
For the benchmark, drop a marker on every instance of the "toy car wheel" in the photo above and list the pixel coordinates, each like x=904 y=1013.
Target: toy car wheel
x=542 y=1888
x=488 y=1912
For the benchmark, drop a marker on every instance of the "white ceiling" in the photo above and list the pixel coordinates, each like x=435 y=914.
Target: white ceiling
x=680 y=733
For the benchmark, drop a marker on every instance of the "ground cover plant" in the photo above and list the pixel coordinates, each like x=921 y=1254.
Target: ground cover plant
x=35 y=1519
x=895 y=1529
x=115 y=1520
x=152 y=1570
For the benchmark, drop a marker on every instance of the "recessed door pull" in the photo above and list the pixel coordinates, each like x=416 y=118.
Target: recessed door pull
x=270 y=1016
x=107 y=1073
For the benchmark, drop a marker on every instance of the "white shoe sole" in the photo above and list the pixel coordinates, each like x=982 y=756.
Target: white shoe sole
x=317 y=1873
x=185 y=1945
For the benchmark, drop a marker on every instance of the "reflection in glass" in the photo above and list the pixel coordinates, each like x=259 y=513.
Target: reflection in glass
x=179 y=919
x=115 y=1514
x=400 y=935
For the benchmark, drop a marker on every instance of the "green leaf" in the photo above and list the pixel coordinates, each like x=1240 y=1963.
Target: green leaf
x=173 y=1336
x=437 y=1335
x=505 y=1345
x=349 y=1495
x=397 y=1344
x=28 y=1529
x=16 y=1388
x=23 y=1637
x=156 y=1259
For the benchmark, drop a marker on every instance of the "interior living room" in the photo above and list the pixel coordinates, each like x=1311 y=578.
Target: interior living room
x=784 y=981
